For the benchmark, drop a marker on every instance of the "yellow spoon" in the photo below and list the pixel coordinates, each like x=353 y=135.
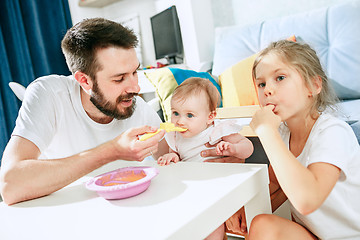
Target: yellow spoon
x=167 y=126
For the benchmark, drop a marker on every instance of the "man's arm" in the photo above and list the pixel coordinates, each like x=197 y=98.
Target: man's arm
x=24 y=176
x=245 y=146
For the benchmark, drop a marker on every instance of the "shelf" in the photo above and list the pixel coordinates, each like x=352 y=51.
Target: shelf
x=96 y=3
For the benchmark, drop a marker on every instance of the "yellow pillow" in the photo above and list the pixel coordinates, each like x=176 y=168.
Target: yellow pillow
x=164 y=83
x=237 y=86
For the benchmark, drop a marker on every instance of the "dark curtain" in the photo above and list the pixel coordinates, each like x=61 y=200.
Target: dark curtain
x=30 y=35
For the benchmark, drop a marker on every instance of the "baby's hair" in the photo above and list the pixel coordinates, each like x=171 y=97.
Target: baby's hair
x=196 y=85
x=304 y=60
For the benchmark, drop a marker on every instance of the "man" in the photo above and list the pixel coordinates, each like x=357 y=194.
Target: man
x=70 y=126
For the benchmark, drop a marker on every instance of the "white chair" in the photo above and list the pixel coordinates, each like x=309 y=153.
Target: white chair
x=18 y=89
x=155 y=104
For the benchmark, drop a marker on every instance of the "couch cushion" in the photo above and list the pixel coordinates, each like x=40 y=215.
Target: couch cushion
x=332 y=32
x=237 y=85
x=349 y=110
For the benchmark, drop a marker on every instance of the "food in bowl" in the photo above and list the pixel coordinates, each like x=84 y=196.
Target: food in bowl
x=123 y=182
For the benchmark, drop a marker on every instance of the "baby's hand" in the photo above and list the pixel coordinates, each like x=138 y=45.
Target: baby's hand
x=224 y=148
x=166 y=159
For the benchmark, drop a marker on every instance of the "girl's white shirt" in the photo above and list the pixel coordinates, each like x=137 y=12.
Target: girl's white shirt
x=332 y=141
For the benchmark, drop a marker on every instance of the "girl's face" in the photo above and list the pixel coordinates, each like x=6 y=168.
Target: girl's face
x=283 y=87
x=192 y=113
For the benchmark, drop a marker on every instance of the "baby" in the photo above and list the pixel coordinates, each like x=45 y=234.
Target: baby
x=193 y=107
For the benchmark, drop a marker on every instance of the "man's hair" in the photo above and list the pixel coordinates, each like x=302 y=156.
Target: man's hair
x=302 y=58
x=82 y=41
x=194 y=86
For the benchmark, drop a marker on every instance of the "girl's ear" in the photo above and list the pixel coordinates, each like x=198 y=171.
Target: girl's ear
x=317 y=85
x=211 y=117
x=84 y=80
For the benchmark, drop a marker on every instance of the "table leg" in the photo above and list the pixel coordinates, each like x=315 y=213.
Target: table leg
x=259 y=204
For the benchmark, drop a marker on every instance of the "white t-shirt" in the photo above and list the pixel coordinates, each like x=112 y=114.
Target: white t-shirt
x=332 y=141
x=189 y=149
x=53 y=118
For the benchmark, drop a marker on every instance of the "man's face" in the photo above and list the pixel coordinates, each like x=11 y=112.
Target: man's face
x=116 y=83
x=111 y=109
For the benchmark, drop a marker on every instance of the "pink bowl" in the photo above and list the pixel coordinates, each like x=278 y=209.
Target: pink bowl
x=123 y=182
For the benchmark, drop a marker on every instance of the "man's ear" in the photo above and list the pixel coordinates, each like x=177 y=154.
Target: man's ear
x=211 y=117
x=84 y=80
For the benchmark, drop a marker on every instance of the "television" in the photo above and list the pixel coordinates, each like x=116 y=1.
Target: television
x=167 y=36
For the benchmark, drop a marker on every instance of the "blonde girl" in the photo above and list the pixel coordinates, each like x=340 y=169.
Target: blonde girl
x=314 y=156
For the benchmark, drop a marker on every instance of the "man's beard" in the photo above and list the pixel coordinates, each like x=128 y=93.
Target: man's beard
x=110 y=109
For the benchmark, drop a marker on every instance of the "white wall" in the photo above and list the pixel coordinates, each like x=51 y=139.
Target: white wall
x=197 y=29
x=198 y=19
x=243 y=12
x=80 y=13
x=143 y=8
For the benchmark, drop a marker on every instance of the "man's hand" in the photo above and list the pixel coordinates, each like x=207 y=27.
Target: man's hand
x=129 y=147
x=212 y=153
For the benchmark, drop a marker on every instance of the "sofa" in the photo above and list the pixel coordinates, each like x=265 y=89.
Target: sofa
x=332 y=31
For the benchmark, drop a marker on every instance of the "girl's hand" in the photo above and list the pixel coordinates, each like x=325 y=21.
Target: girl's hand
x=265 y=117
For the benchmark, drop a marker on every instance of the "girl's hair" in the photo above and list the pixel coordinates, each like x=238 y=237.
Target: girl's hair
x=84 y=39
x=305 y=61
x=196 y=85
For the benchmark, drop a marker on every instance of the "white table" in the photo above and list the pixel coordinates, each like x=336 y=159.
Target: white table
x=185 y=201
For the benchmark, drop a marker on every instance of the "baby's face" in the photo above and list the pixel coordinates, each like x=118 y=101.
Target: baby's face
x=192 y=114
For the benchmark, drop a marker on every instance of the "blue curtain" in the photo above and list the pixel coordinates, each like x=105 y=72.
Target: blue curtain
x=30 y=35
